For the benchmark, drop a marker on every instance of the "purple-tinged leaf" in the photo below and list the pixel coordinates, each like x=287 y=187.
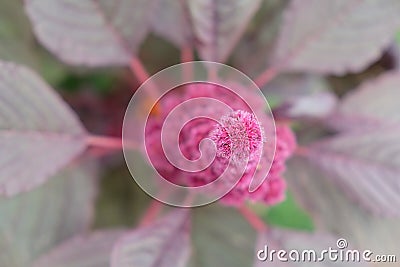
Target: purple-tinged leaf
x=218 y=25
x=221 y=237
x=332 y=211
x=366 y=166
x=39 y=134
x=335 y=36
x=318 y=105
x=92 y=250
x=277 y=240
x=163 y=244
x=300 y=96
x=374 y=105
x=252 y=55
x=171 y=20
x=33 y=223
x=293 y=86
x=91 y=32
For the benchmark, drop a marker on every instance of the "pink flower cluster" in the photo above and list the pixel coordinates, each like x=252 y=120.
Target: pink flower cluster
x=238 y=135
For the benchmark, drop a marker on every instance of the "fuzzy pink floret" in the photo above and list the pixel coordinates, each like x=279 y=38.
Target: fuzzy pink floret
x=238 y=135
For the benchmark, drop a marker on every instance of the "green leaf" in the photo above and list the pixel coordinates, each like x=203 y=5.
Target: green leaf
x=288 y=214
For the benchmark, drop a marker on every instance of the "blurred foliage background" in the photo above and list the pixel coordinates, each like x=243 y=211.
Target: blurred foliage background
x=101 y=95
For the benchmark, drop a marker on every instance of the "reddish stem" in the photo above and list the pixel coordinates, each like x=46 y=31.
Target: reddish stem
x=187 y=56
x=253 y=219
x=266 y=76
x=104 y=142
x=138 y=69
x=142 y=75
x=107 y=142
x=99 y=152
x=151 y=213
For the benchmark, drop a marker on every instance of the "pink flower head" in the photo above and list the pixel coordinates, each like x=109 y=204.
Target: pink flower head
x=238 y=136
